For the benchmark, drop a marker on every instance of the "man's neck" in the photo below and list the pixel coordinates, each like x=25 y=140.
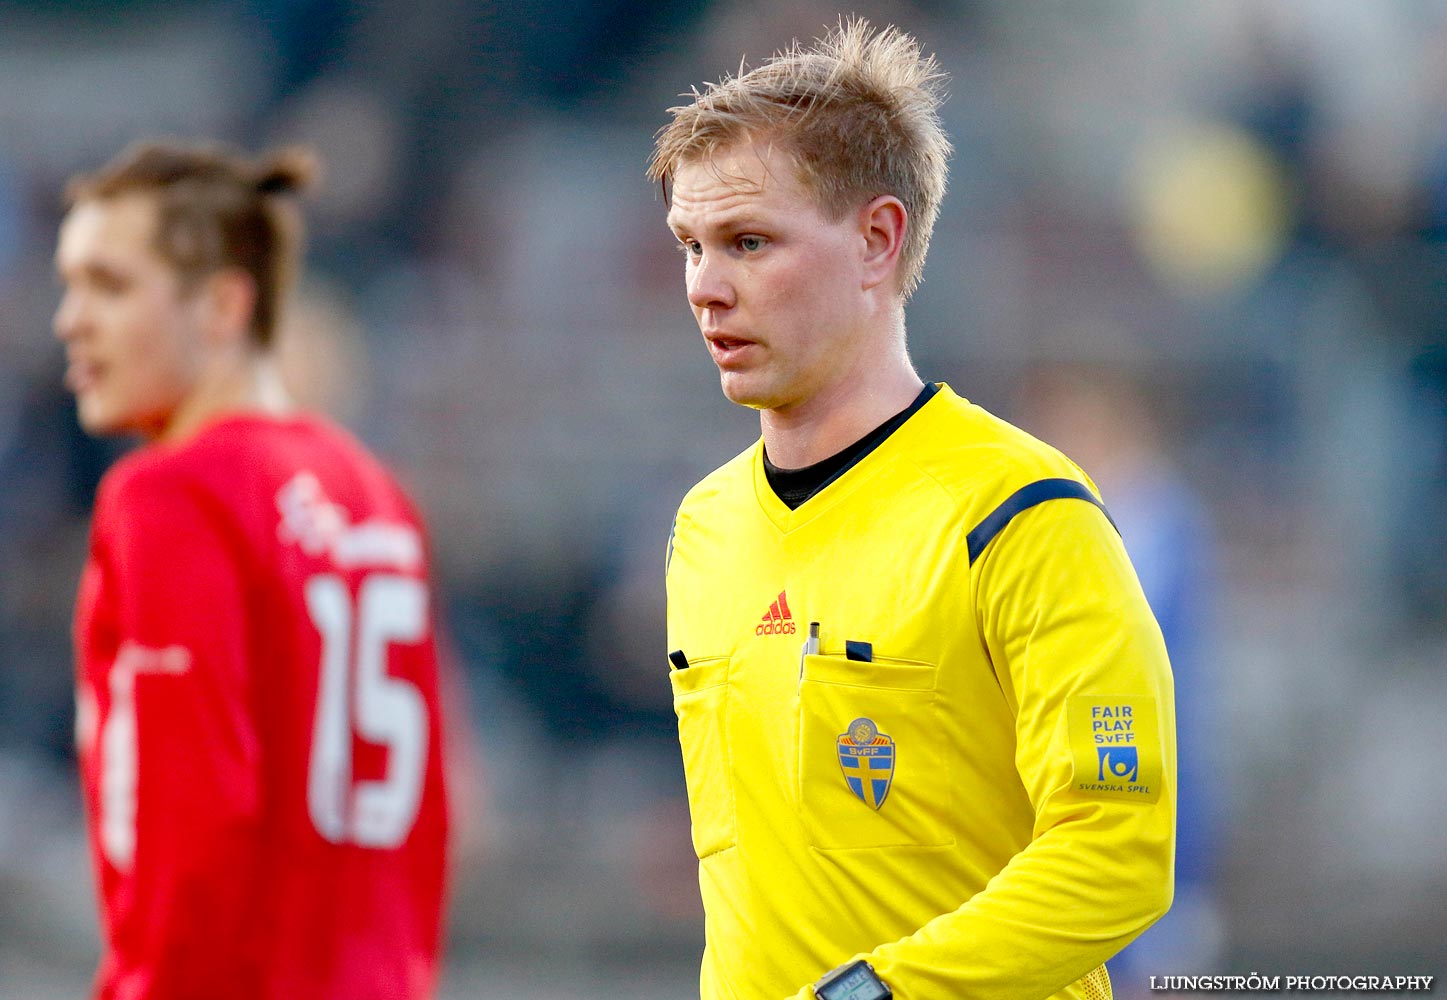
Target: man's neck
x=246 y=383
x=837 y=417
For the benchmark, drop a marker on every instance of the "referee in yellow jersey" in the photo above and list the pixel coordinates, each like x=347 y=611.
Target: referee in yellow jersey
x=926 y=714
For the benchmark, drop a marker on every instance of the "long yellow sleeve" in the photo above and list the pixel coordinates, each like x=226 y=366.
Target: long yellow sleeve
x=1070 y=636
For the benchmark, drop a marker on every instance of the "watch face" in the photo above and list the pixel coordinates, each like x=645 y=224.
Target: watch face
x=858 y=982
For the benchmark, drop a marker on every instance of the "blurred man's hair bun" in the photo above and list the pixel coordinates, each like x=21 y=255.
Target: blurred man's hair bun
x=287 y=171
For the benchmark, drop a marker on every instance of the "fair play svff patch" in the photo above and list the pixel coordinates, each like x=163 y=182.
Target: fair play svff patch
x=1115 y=743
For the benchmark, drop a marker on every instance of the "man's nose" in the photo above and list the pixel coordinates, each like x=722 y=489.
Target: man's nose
x=710 y=283
x=67 y=318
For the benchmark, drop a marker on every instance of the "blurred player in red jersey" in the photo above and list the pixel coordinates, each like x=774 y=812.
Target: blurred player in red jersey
x=257 y=710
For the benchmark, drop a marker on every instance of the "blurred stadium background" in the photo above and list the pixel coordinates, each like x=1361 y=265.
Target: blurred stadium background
x=1201 y=246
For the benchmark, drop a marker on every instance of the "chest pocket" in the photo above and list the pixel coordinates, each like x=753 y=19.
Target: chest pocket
x=872 y=765
x=701 y=701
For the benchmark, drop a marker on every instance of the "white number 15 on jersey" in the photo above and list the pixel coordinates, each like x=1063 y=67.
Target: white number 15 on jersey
x=368 y=701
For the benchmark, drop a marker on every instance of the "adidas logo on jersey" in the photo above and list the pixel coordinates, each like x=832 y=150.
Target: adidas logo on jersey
x=777 y=620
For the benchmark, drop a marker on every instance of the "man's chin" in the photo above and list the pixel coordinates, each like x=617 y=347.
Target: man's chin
x=95 y=420
x=101 y=422
x=744 y=391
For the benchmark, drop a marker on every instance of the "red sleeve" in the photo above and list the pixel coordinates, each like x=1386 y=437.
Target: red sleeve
x=175 y=913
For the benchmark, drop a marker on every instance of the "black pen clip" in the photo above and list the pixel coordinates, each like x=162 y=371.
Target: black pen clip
x=678 y=659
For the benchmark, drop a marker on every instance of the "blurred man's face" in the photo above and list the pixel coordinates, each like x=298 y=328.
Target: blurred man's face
x=133 y=337
x=774 y=285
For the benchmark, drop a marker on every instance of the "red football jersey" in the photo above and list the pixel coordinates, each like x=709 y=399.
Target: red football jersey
x=258 y=721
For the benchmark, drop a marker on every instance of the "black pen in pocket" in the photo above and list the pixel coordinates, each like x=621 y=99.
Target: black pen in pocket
x=678 y=660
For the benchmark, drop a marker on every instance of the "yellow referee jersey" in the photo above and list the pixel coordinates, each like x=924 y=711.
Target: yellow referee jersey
x=971 y=783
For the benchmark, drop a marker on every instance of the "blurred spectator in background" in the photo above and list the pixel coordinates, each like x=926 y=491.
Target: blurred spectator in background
x=1108 y=416
x=258 y=707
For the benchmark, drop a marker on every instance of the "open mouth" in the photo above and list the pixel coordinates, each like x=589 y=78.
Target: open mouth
x=82 y=375
x=727 y=349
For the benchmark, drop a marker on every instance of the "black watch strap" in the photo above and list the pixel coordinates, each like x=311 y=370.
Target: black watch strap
x=852 y=981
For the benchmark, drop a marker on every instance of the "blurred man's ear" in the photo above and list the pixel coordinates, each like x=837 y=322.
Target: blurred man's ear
x=228 y=299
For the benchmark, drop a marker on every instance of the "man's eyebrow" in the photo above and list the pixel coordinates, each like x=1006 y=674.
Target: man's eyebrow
x=93 y=267
x=742 y=219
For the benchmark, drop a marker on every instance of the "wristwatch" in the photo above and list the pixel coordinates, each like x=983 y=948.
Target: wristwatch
x=852 y=981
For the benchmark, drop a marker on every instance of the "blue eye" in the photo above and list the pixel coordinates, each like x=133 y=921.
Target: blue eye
x=691 y=248
x=750 y=244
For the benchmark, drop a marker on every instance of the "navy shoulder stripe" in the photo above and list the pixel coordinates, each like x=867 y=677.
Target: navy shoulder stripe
x=1022 y=500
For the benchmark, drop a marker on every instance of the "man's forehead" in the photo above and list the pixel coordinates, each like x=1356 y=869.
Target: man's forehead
x=114 y=218
x=741 y=170
x=107 y=232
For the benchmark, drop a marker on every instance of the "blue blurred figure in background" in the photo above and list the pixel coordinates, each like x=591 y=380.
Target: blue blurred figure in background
x=1106 y=416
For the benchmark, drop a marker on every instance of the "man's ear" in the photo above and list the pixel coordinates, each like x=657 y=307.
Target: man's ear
x=883 y=223
x=228 y=301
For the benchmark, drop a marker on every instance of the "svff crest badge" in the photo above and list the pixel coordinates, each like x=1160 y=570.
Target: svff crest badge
x=867 y=757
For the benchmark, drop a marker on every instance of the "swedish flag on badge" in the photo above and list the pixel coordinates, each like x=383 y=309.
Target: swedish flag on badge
x=867 y=757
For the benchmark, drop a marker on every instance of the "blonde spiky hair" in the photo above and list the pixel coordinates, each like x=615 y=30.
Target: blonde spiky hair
x=857 y=112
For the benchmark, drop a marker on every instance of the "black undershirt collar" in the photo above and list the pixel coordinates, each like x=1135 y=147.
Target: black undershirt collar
x=794 y=486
